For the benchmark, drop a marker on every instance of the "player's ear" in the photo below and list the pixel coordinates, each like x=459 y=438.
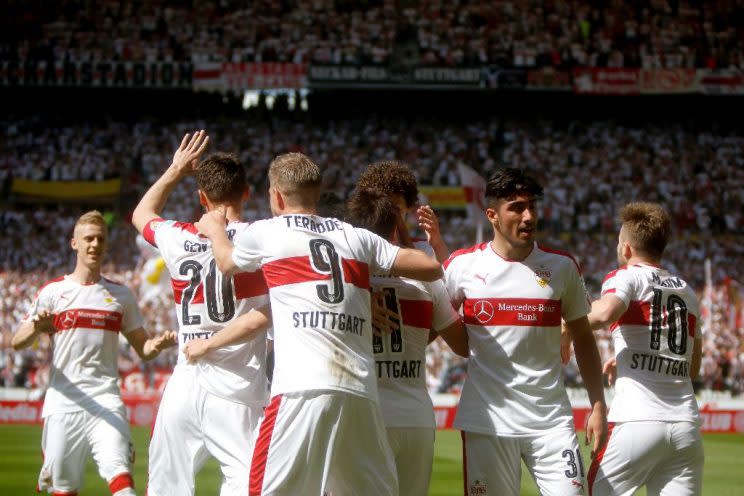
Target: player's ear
x=203 y=199
x=493 y=216
x=73 y=243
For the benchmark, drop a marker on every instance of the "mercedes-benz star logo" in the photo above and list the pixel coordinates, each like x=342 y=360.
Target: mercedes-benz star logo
x=68 y=321
x=483 y=311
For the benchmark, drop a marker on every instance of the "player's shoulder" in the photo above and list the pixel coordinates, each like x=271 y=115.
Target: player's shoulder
x=614 y=273
x=559 y=256
x=116 y=287
x=464 y=253
x=52 y=284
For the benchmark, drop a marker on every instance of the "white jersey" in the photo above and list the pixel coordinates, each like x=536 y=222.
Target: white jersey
x=401 y=356
x=653 y=343
x=88 y=319
x=207 y=301
x=513 y=313
x=317 y=270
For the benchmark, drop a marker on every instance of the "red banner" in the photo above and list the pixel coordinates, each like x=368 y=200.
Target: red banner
x=721 y=82
x=610 y=81
x=548 y=79
x=667 y=81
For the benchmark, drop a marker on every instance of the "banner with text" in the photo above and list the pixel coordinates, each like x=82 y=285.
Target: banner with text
x=337 y=76
x=97 y=73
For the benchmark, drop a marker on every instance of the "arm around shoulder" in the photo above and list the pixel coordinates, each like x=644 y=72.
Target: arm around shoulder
x=606 y=310
x=415 y=264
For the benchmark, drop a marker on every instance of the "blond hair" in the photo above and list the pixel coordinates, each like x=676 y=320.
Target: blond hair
x=296 y=177
x=647 y=227
x=93 y=217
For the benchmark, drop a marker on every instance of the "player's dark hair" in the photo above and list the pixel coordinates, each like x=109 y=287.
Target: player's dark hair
x=392 y=178
x=372 y=210
x=647 y=227
x=509 y=182
x=331 y=205
x=221 y=177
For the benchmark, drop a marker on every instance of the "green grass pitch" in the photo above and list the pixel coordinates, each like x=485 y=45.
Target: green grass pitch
x=20 y=459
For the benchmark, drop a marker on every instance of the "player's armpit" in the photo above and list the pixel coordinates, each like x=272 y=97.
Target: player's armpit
x=456 y=338
x=605 y=311
x=415 y=264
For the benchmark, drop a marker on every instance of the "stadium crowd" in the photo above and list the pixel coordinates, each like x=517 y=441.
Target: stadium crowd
x=562 y=34
x=590 y=169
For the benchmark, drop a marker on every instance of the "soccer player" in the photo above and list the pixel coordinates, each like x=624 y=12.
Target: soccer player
x=400 y=357
x=397 y=181
x=210 y=408
x=83 y=314
x=513 y=295
x=654 y=434
x=322 y=430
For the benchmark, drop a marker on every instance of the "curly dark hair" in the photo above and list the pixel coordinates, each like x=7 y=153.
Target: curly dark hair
x=372 y=210
x=391 y=178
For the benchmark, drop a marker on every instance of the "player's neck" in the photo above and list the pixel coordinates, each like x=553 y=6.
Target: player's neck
x=85 y=275
x=639 y=260
x=508 y=251
x=232 y=212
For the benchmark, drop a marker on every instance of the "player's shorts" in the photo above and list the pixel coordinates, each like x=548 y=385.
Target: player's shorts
x=319 y=443
x=413 y=451
x=492 y=464
x=665 y=456
x=192 y=425
x=69 y=438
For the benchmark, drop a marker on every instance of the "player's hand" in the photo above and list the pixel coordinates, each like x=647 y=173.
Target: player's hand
x=187 y=156
x=196 y=349
x=212 y=223
x=44 y=322
x=596 y=427
x=429 y=222
x=384 y=320
x=164 y=341
x=565 y=344
x=610 y=370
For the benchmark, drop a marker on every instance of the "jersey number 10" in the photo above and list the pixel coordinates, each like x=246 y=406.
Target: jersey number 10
x=676 y=319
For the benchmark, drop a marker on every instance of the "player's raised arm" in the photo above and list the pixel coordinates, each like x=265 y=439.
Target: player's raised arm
x=212 y=225
x=184 y=162
x=429 y=222
x=148 y=347
x=239 y=330
x=416 y=264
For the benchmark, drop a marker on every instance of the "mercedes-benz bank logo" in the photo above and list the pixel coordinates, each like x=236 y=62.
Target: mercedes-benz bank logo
x=483 y=311
x=68 y=321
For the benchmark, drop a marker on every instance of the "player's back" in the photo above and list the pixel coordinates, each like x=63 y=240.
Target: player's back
x=317 y=270
x=206 y=301
x=653 y=342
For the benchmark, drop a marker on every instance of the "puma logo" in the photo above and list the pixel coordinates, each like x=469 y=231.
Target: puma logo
x=482 y=278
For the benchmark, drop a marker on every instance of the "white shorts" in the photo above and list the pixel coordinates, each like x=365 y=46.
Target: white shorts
x=69 y=438
x=322 y=442
x=665 y=456
x=192 y=425
x=492 y=464
x=413 y=449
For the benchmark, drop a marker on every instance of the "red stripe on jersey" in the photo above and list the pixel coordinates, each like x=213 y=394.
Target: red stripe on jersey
x=612 y=274
x=294 y=270
x=609 y=291
x=180 y=286
x=121 y=481
x=261 y=447
x=562 y=253
x=187 y=226
x=594 y=467
x=638 y=313
x=525 y=312
x=463 y=251
x=149 y=233
x=417 y=313
x=356 y=272
x=249 y=285
x=88 y=319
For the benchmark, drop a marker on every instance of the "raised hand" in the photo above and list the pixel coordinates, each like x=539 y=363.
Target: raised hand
x=187 y=156
x=212 y=223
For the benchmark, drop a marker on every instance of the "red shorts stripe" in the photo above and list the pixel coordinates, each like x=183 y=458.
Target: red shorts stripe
x=417 y=313
x=294 y=270
x=261 y=448
x=525 y=312
x=61 y=493
x=594 y=467
x=121 y=481
x=249 y=285
x=84 y=318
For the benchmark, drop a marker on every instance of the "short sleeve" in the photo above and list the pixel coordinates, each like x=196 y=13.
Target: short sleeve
x=247 y=254
x=574 y=302
x=452 y=277
x=380 y=253
x=151 y=229
x=131 y=315
x=42 y=303
x=620 y=283
x=444 y=314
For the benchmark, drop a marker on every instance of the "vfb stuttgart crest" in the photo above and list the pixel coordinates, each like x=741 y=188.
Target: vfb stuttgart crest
x=483 y=311
x=543 y=275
